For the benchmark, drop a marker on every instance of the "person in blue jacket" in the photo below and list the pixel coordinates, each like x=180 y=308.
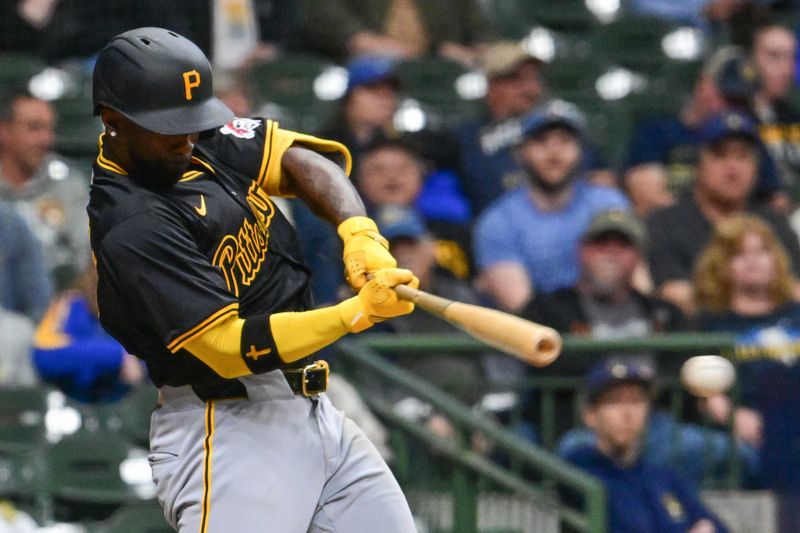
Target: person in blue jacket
x=74 y=353
x=642 y=497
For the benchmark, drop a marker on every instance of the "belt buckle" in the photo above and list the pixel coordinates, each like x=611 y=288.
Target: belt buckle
x=315 y=378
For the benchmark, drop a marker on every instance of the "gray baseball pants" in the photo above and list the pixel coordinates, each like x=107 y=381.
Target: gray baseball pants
x=275 y=462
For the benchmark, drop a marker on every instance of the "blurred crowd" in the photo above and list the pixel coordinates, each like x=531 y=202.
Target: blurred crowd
x=520 y=207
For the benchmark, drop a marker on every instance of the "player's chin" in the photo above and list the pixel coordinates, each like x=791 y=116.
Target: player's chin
x=164 y=172
x=180 y=163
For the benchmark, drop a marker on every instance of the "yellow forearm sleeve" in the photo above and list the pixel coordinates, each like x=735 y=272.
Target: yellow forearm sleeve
x=295 y=336
x=219 y=348
x=300 y=334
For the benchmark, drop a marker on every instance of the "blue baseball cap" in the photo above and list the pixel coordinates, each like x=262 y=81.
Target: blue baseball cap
x=615 y=371
x=368 y=70
x=728 y=124
x=553 y=113
x=398 y=221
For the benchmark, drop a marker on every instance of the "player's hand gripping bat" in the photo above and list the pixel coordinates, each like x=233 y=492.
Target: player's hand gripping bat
x=531 y=342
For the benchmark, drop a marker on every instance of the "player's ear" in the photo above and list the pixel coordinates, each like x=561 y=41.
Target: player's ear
x=110 y=118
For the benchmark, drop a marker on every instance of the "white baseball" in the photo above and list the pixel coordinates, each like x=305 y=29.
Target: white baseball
x=707 y=375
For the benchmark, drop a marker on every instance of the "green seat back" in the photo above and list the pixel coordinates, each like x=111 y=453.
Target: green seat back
x=22 y=412
x=144 y=517
x=432 y=82
x=632 y=42
x=289 y=83
x=17 y=69
x=86 y=468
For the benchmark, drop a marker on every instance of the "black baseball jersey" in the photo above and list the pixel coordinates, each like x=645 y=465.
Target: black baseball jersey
x=174 y=261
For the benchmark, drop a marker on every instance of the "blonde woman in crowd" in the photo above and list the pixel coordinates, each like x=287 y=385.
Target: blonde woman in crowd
x=744 y=285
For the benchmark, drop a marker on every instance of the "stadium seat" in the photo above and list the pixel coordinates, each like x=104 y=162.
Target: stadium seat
x=17 y=69
x=508 y=18
x=564 y=15
x=288 y=80
x=574 y=78
x=432 y=82
x=513 y=19
x=18 y=475
x=22 y=412
x=609 y=128
x=77 y=129
x=289 y=84
x=144 y=517
x=679 y=77
x=655 y=102
x=136 y=409
x=88 y=468
x=632 y=42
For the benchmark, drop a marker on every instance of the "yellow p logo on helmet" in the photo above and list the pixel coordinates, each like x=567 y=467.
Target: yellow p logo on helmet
x=191 y=79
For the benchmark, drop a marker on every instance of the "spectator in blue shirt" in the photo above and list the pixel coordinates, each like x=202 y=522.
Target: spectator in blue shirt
x=527 y=240
x=642 y=497
x=514 y=90
x=703 y=14
x=24 y=283
x=74 y=353
x=685 y=11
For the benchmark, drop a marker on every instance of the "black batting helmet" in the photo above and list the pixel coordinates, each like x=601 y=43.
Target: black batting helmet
x=159 y=80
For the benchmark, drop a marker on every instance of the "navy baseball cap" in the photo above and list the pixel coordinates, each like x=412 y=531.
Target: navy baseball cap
x=369 y=70
x=728 y=124
x=397 y=221
x=615 y=371
x=551 y=114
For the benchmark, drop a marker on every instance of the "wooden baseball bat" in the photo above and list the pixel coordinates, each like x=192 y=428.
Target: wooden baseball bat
x=533 y=343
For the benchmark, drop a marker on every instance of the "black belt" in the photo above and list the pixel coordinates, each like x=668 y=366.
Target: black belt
x=310 y=380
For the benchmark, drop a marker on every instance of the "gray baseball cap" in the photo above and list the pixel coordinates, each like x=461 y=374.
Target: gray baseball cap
x=617 y=221
x=504 y=57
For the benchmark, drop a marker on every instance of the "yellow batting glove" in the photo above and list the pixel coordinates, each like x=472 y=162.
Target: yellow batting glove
x=377 y=301
x=365 y=250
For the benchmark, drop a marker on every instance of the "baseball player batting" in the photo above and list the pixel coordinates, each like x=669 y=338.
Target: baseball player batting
x=200 y=275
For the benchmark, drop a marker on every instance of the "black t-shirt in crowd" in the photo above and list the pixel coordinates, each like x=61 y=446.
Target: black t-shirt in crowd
x=679 y=233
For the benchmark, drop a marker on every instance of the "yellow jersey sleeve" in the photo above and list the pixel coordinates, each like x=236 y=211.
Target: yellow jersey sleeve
x=278 y=140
